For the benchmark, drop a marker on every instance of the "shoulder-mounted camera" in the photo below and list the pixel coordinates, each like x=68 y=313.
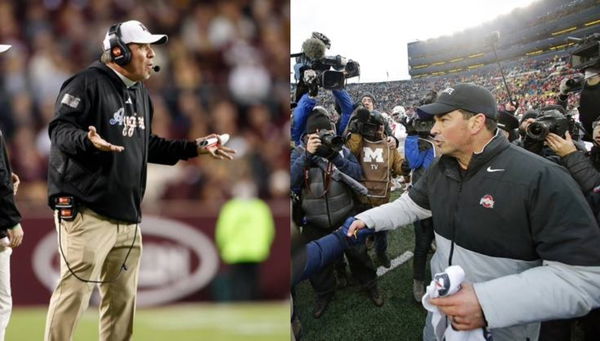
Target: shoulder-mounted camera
x=587 y=52
x=314 y=70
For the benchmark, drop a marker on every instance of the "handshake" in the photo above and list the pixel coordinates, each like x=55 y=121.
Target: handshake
x=356 y=237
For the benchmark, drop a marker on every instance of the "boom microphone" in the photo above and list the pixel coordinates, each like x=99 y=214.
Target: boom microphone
x=313 y=49
x=156 y=68
x=493 y=39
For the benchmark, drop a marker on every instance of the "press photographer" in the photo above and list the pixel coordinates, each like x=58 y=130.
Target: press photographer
x=323 y=176
x=314 y=70
x=550 y=120
x=585 y=58
x=584 y=168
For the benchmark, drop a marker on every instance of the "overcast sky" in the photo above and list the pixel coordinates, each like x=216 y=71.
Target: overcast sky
x=375 y=32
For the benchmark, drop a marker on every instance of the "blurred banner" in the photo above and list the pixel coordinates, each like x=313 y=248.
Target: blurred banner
x=180 y=261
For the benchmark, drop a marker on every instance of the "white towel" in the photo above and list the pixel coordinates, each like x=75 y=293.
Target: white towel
x=447 y=283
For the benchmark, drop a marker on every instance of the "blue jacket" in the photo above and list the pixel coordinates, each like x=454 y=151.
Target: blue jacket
x=306 y=105
x=300 y=159
x=417 y=158
x=315 y=255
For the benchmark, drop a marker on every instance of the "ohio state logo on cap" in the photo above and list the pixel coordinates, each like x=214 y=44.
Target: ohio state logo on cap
x=487 y=201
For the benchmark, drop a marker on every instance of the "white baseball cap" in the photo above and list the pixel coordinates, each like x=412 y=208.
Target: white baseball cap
x=4 y=48
x=133 y=31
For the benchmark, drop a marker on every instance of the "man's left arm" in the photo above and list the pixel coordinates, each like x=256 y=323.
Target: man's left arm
x=169 y=152
x=566 y=237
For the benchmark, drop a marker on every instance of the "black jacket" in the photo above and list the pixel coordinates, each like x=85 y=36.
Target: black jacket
x=110 y=183
x=9 y=215
x=511 y=204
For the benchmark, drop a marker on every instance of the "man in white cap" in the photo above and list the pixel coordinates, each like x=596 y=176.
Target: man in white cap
x=101 y=142
x=11 y=233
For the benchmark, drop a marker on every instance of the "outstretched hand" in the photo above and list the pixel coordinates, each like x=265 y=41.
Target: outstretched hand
x=100 y=143
x=215 y=150
x=354 y=227
x=357 y=236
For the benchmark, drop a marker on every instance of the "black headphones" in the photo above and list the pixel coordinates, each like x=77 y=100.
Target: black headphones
x=119 y=52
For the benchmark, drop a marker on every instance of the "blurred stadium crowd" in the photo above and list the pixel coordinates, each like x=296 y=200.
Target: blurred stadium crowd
x=533 y=83
x=221 y=71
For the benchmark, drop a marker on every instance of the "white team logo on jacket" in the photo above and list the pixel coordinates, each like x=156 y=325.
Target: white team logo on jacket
x=129 y=123
x=371 y=155
x=487 y=201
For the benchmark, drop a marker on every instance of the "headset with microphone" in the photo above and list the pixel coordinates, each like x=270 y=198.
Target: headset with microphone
x=119 y=52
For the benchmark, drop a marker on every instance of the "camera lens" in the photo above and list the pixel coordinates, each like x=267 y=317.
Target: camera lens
x=537 y=131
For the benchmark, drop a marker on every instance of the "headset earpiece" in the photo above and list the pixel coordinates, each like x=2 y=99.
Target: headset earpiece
x=119 y=52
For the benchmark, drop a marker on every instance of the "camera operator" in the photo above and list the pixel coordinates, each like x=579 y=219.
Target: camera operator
x=326 y=202
x=380 y=162
x=585 y=171
x=313 y=71
x=588 y=87
x=550 y=119
x=368 y=102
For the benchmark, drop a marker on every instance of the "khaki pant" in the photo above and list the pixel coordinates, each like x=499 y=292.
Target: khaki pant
x=5 y=293
x=95 y=247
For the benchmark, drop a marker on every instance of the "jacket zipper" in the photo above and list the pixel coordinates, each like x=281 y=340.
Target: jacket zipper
x=460 y=183
x=327 y=200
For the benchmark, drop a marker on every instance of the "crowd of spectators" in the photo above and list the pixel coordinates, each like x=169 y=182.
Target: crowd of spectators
x=533 y=83
x=221 y=71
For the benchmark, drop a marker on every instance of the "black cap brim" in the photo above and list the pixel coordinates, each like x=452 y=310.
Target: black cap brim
x=436 y=108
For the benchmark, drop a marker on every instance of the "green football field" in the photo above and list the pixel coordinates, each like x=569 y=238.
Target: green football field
x=352 y=316
x=264 y=321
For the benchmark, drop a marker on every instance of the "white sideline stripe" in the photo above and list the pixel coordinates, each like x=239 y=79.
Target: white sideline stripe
x=396 y=262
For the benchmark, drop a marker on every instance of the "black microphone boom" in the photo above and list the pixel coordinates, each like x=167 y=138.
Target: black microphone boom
x=494 y=38
x=156 y=68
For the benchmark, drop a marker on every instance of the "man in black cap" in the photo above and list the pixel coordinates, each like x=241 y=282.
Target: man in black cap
x=516 y=223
